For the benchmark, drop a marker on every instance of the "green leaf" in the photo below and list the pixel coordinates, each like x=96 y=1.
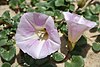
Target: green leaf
x=76 y=61
x=3 y=38
x=64 y=28
x=41 y=7
x=33 y=2
x=69 y=0
x=13 y=3
x=58 y=15
x=16 y=17
x=59 y=3
x=6 y=65
x=6 y=17
x=6 y=14
x=96 y=46
x=3 y=34
x=22 y=5
x=58 y=56
x=3 y=41
x=51 y=4
x=50 y=13
x=16 y=20
x=8 y=55
x=43 y=4
x=1 y=19
x=10 y=42
x=95 y=9
x=94 y=18
x=88 y=15
x=21 y=1
x=71 y=7
x=30 y=9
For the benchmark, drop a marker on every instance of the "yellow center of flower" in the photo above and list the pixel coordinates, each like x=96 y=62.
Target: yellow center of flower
x=42 y=34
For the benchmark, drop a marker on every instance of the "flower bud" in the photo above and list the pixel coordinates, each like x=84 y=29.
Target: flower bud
x=81 y=3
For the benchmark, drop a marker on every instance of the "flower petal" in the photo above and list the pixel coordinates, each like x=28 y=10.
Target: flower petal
x=27 y=39
x=48 y=48
x=52 y=31
x=77 y=25
x=41 y=19
x=74 y=18
x=75 y=31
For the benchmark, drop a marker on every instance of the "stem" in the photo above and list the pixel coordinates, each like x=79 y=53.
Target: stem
x=87 y=3
x=76 y=7
x=60 y=24
x=65 y=34
x=67 y=56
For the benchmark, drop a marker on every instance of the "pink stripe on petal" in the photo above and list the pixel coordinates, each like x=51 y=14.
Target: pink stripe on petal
x=49 y=47
x=41 y=19
x=54 y=36
x=45 y=50
x=25 y=45
x=35 y=50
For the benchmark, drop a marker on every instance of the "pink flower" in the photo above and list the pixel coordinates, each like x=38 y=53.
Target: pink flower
x=37 y=36
x=77 y=25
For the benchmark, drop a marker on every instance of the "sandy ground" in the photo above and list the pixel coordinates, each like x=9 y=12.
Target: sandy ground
x=91 y=60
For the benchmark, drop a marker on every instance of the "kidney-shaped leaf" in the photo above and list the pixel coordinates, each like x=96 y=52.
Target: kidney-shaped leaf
x=76 y=61
x=6 y=64
x=6 y=14
x=96 y=46
x=7 y=55
x=58 y=56
x=3 y=41
x=59 y=3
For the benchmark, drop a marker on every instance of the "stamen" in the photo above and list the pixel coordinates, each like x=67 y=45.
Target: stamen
x=42 y=34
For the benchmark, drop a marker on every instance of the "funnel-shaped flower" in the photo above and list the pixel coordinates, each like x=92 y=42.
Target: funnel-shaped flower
x=37 y=36
x=76 y=26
